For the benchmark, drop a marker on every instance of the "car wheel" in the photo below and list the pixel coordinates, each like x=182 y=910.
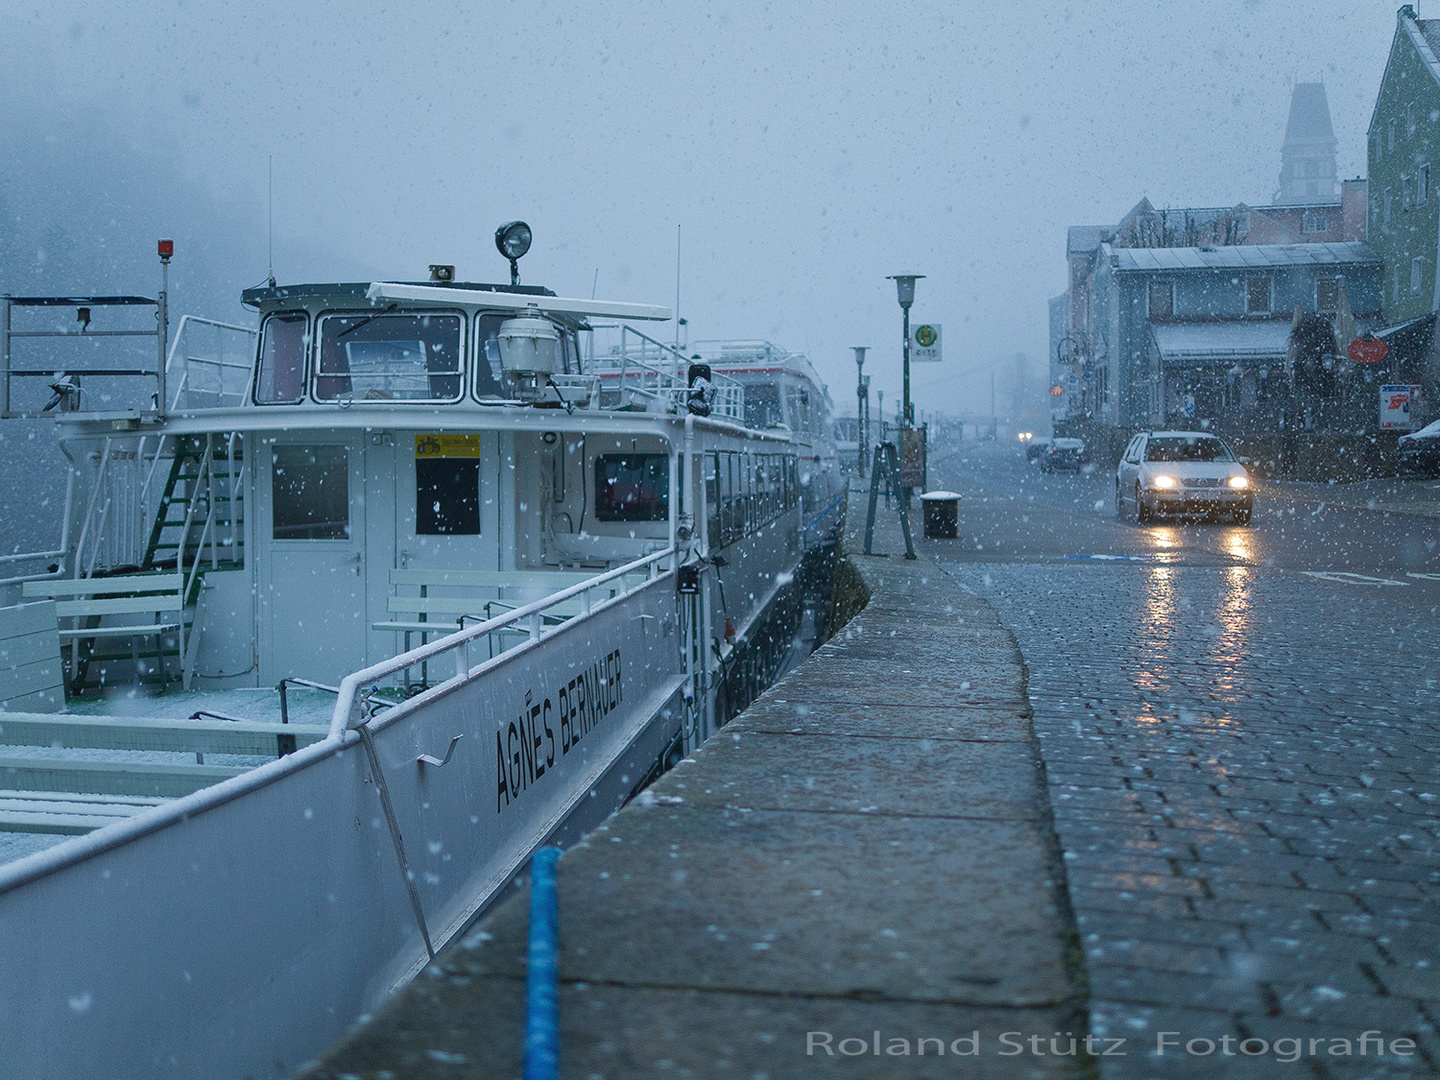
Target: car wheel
x=1142 y=513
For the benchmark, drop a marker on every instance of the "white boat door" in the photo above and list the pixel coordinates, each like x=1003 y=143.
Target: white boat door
x=434 y=509
x=312 y=577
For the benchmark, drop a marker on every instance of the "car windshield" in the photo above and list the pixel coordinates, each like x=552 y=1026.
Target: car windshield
x=1187 y=448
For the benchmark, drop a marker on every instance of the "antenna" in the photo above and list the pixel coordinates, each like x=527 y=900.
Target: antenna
x=270 y=223
x=594 y=283
x=677 y=286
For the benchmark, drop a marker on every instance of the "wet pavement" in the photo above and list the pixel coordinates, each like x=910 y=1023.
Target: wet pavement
x=1240 y=731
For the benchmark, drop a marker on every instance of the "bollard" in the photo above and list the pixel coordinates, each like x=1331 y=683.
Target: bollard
x=542 y=1001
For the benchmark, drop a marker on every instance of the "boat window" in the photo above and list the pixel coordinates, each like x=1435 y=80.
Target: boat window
x=632 y=487
x=310 y=493
x=762 y=405
x=447 y=485
x=281 y=378
x=489 y=380
x=389 y=358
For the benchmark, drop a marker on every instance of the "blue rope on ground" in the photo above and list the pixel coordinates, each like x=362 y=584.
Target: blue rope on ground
x=542 y=1002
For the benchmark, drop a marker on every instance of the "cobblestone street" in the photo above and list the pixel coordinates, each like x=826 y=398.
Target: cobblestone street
x=1242 y=763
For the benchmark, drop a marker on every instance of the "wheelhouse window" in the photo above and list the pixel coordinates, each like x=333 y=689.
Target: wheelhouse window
x=389 y=358
x=762 y=405
x=310 y=493
x=489 y=374
x=280 y=379
x=632 y=487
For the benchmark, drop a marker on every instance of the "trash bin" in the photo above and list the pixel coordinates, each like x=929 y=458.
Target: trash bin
x=942 y=514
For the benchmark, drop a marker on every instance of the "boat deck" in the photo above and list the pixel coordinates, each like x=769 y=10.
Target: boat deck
x=108 y=758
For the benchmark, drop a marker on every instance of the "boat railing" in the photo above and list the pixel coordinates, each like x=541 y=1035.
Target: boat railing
x=650 y=374
x=209 y=364
x=356 y=702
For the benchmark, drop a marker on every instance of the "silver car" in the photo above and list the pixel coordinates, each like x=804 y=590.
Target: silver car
x=1182 y=474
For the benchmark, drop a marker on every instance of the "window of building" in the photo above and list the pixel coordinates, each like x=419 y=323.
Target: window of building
x=1315 y=221
x=1417 y=271
x=632 y=487
x=1395 y=289
x=1327 y=295
x=1386 y=214
x=1410 y=120
x=1242 y=224
x=310 y=493
x=1161 y=300
x=1422 y=185
x=1257 y=296
x=1390 y=136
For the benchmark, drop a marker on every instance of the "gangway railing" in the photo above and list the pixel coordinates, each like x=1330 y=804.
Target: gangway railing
x=209 y=364
x=656 y=374
x=355 y=704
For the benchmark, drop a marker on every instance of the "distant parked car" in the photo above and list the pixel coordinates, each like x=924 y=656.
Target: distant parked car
x=1064 y=454
x=1035 y=447
x=1184 y=473
x=1420 y=450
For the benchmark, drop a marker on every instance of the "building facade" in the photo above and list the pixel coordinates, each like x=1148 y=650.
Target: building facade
x=1403 y=149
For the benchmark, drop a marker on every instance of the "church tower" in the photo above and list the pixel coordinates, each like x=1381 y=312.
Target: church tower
x=1307 y=159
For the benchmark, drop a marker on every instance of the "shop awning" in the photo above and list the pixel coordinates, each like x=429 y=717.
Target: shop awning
x=1228 y=343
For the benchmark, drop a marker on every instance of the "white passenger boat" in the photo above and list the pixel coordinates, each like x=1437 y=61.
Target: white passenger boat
x=365 y=604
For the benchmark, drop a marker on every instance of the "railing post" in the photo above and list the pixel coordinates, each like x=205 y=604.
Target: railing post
x=4 y=355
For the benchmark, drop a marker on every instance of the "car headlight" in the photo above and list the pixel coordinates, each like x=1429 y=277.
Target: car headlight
x=1239 y=481
x=1163 y=482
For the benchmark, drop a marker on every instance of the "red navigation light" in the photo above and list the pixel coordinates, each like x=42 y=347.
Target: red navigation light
x=166 y=248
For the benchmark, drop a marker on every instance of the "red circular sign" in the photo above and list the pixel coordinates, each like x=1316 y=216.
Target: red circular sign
x=1368 y=350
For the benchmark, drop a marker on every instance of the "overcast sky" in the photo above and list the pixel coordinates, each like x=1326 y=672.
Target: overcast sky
x=805 y=150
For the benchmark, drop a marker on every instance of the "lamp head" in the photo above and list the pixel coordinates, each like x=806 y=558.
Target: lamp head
x=513 y=241
x=905 y=287
x=860 y=351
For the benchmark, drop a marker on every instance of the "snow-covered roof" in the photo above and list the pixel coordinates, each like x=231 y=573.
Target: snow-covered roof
x=1242 y=256
x=1085 y=238
x=1223 y=341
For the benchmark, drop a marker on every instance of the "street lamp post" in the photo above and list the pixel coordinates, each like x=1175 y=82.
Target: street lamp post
x=862 y=385
x=905 y=291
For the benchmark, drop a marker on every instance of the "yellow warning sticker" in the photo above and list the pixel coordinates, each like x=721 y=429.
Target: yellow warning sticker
x=447 y=446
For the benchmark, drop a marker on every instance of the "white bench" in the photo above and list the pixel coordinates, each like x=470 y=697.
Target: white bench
x=32 y=678
x=159 y=595
x=454 y=609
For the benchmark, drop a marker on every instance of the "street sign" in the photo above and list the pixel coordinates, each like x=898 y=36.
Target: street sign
x=1395 y=407
x=912 y=457
x=925 y=344
x=1367 y=350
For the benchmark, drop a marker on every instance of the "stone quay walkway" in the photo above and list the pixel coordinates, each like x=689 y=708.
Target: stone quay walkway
x=858 y=876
